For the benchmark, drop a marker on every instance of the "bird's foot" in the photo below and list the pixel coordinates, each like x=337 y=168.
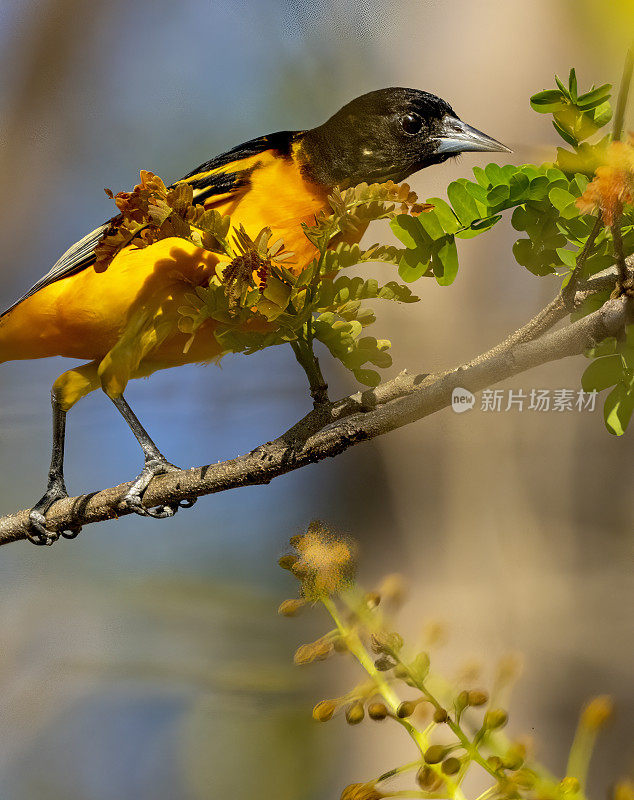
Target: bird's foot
x=39 y=533
x=133 y=500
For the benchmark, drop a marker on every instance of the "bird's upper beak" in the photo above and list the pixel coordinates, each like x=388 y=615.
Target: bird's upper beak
x=458 y=137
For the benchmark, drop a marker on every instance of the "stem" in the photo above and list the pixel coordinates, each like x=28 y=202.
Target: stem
x=571 y=287
x=621 y=283
x=303 y=349
x=624 y=89
x=358 y=650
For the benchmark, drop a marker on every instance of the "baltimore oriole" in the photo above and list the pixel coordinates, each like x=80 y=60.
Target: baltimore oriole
x=281 y=180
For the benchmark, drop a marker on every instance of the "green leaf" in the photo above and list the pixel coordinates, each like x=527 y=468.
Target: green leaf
x=547 y=101
x=560 y=198
x=602 y=373
x=567 y=257
x=562 y=88
x=595 y=97
x=408 y=230
x=445 y=214
x=463 y=203
x=618 y=408
x=445 y=262
x=368 y=377
x=414 y=264
x=565 y=134
x=602 y=114
x=430 y=222
x=572 y=85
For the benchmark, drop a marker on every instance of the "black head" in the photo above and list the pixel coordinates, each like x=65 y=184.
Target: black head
x=387 y=135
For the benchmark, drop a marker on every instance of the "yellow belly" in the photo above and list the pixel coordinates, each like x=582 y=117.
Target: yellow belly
x=125 y=320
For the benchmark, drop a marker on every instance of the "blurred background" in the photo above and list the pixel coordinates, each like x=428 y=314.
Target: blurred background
x=145 y=659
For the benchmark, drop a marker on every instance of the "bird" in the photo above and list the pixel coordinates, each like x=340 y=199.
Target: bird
x=279 y=180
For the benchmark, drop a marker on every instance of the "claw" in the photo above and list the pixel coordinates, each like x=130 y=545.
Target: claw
x=133 y=500
x=38 y=532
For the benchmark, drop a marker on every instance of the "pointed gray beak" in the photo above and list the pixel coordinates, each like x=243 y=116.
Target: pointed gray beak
x=458 y=137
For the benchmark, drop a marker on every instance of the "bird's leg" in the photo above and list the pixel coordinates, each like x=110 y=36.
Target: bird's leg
x=155 y=464
x=55 y=489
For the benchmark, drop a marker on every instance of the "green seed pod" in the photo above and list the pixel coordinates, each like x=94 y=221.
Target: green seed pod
x=476 y=697
x=323 y=712
x=377 y=711
x=405 y=709
x=435 y=754
x=428 y=780
x=355 y=714
x=450 y=766
x=440 y=715
x=496 y=718
x=290 y=608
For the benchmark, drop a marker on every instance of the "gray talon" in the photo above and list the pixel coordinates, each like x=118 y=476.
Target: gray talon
x=133 y=500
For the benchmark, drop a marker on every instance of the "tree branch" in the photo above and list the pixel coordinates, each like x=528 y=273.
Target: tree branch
x=332 y=428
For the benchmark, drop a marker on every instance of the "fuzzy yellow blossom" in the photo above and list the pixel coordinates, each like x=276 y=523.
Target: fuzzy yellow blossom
x=613 y=184
x=325 y=563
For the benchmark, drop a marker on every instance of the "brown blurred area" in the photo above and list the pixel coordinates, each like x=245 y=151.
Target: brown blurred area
x=146 y=659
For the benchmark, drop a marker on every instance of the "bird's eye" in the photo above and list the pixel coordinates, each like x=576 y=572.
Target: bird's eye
x=411 y=123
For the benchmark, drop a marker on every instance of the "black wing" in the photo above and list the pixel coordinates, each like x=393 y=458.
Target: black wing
x=213 y=177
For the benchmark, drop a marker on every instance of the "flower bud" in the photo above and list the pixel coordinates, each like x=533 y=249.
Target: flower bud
x=496 y=718
x=623 y=790
x=440 y=715
x=386 y=642
x=597 y=712
x=393 y=589
x=570 y=785
x=290 y=608
x=315 y=651
x=296 y=541
x=435 y=754
x=450 y=766
x=514 y=757
x=324 y=711
x=405 y=709
x=372 y=599
x=419 y=668
x=377 y=711
x=428 y=780
x=476 y=697
x=400 y=672
x=287 y=561
x=361 y=791
x=383 y=664
x=355 y=714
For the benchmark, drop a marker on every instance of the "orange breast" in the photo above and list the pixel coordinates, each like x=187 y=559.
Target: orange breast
x=278 y=197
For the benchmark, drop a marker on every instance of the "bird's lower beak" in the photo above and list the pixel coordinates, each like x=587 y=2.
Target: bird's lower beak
x=458 y=137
